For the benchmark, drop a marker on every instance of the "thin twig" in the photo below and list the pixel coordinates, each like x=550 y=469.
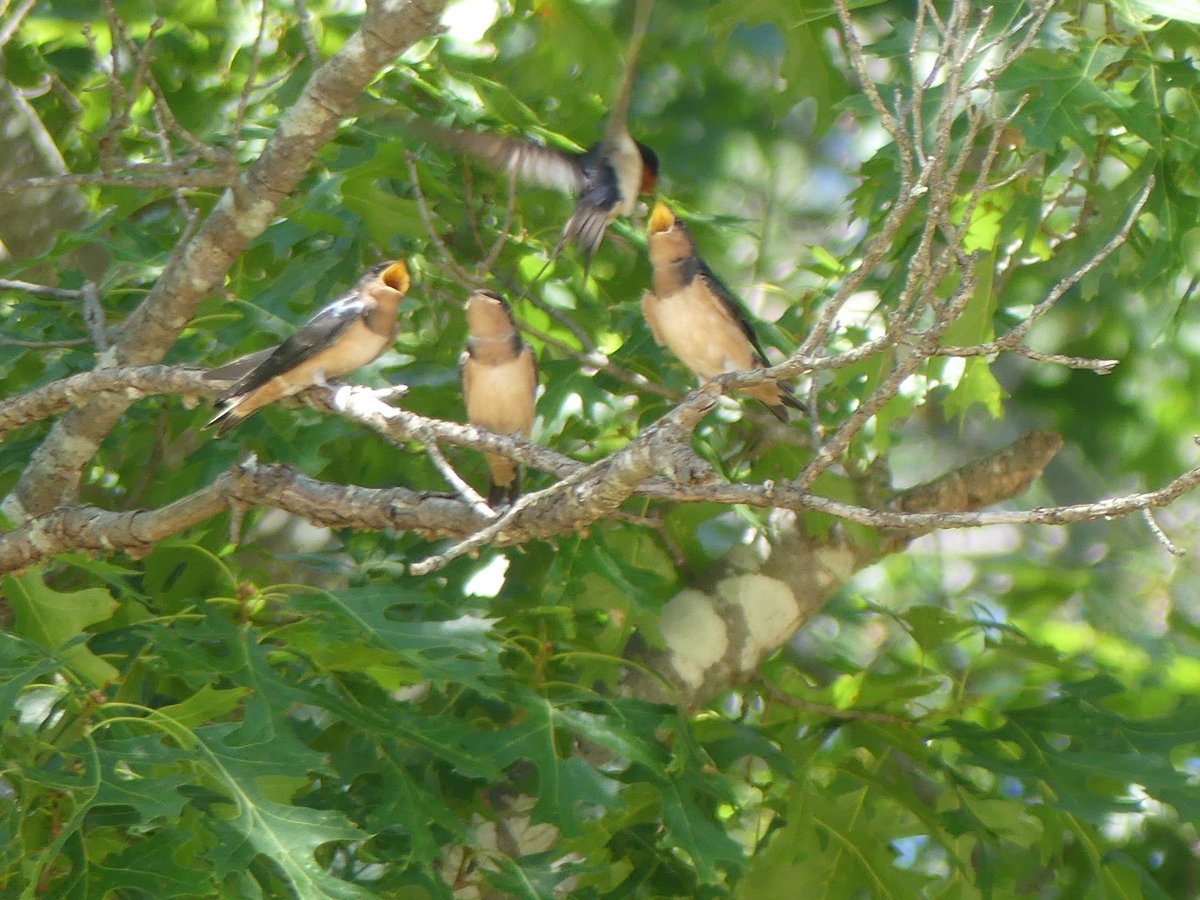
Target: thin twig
x=144 y=74
x=41 y=345
x=93 y=317
x=889 y=122
x=489 y=261
x=1099 y=366
x=835 y=712
x=457 y=482
x=585 y=340
x=783 y=496
x=457 y=272
x=14 y=22
x=184 y=178
x=248 y=88
x=1161 y=535
x=476 y=540
x=304 y=22
x=618 y=115
x=616 y=478
x=28 y=287
x=151 y=462
x=827 y=453
x=601 y=363
x=1013 y=339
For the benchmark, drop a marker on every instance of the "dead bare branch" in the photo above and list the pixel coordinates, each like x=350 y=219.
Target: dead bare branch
x=469 y=495
x=41 y=345
x=9 y=284
x=14 y=21
x=187 y=179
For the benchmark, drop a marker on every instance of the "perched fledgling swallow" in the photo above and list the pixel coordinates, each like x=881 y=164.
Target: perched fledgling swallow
x=499 y=380
x=697 y=317
x=606 y=178
x=348 y=333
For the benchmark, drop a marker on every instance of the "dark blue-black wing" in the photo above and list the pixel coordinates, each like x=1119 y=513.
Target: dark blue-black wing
x=733 y=306
x=319 y=332
x=593 y=210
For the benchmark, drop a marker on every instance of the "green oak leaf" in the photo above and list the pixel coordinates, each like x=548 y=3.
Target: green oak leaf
x=53 y=619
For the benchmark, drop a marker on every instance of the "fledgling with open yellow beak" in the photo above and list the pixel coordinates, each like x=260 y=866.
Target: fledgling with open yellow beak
x=350 y=332
x=691 y=312
x=499 y=381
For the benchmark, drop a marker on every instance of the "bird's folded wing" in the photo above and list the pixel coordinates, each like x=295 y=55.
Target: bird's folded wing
x=317 y=334
x=237 y=369
x=732 y=308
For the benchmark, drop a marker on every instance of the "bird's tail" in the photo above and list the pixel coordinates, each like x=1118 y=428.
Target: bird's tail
x=779 y=404
x=226 y=417
x=586 y=227
x=234 y=370
x=506 y=490
x=504 y=494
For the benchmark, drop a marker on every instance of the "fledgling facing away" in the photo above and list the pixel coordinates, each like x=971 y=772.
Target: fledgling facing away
x=348 y=333
x=696 y=316
x=499 y=380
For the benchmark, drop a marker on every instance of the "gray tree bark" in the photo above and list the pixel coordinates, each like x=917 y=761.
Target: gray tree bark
x=31 y=220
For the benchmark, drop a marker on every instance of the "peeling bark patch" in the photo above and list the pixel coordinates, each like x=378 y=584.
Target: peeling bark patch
x=835 y=565
x=13 y=509
x=768 y=612
x=76 y=445
x=695 y=636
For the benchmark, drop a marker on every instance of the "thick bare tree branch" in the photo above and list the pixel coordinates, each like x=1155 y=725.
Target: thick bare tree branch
x=249 y=484
x=586 y=493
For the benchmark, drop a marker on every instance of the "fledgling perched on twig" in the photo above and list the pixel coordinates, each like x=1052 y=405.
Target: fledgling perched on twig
x=499 y=381
x=348 y=333
x=691 y=312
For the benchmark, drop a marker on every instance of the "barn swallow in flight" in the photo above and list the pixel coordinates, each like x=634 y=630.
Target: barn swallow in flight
x=348 y=333
x=607 y=178
x=697 y=317
x=499 y=379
